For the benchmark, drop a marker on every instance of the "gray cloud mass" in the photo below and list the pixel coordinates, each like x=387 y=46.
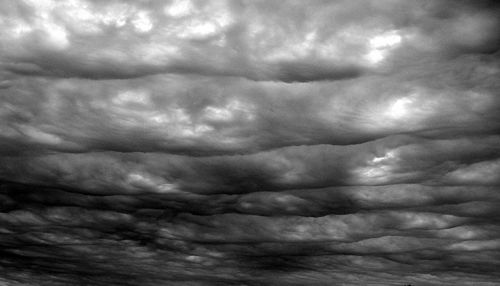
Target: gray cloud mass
x=188 y=142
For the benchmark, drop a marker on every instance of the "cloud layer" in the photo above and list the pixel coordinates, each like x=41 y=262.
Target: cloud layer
x=249 y=142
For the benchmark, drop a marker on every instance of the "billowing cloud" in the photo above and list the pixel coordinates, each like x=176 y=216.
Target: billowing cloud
x=249 y=142
x=312 y=41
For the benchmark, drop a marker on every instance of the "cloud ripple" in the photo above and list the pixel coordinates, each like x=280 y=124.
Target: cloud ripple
x=249 y=143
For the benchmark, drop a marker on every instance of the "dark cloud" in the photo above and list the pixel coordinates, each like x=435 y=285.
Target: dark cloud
x=208 y=116
x=313 y=41
x=203 y=143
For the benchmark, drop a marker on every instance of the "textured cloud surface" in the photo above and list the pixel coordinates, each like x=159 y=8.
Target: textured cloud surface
x=249 y=142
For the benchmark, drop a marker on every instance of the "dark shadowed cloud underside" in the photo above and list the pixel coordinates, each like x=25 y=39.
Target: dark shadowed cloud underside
x=244 y=142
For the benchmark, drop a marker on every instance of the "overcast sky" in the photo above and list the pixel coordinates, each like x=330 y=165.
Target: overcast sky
x=249 y=142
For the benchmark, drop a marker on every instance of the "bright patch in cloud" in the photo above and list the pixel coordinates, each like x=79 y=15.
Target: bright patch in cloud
x=179 y=8
x=381 y=45
x=400 y=108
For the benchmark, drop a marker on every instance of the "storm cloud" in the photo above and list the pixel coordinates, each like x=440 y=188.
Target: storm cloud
x=219 y=142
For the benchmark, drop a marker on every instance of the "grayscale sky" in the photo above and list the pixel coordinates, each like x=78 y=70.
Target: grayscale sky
x=249 y=142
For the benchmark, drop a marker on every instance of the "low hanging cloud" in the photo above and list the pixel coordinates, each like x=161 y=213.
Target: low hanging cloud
x=249 y=142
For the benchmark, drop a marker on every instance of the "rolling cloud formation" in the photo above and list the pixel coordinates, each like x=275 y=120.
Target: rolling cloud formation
x=243 y=142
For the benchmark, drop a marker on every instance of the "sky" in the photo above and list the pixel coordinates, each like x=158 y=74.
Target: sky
x=249 y=142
